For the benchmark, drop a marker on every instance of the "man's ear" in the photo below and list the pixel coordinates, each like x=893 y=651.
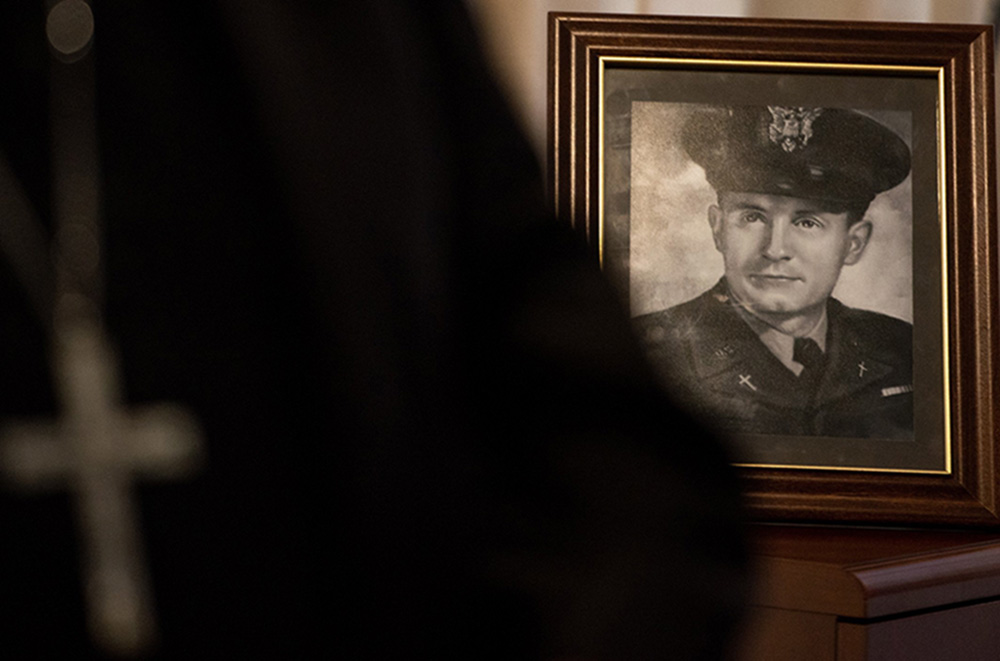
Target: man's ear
x=716 y=218
x=857 y=237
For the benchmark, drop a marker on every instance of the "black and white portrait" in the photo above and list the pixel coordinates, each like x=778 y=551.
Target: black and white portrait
x=787 y=306
x=778 y=241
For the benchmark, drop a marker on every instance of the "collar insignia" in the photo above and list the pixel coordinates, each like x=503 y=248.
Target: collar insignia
x=791 y=127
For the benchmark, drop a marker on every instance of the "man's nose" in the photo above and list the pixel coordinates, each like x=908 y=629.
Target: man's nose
x=775 y=242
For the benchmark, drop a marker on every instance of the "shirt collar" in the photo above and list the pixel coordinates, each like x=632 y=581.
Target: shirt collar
x=777 y=342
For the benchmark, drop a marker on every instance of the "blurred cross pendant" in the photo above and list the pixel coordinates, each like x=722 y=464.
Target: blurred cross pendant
x=97 y=448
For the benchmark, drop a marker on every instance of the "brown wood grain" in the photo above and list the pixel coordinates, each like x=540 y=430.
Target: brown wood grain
x=864 y=594
x=873 y=573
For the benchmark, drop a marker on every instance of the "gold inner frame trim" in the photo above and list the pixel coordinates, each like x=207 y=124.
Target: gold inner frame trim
x=803 y=67
x=852 y=469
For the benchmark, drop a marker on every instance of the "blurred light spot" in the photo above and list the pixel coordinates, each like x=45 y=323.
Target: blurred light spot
x=70 y=26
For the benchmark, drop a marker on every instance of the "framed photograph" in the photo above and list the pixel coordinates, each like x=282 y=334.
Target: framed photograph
x=800 y=217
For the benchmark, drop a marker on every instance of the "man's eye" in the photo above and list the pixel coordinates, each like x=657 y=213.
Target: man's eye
x=754 y=217
x=808 y=223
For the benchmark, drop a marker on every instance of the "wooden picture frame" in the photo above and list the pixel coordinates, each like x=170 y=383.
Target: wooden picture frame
x=621 y=88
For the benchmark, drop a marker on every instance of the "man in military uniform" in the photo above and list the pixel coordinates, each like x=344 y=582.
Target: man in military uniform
x=767 y=350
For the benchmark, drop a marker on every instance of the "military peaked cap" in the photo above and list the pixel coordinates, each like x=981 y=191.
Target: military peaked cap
x=830 y=154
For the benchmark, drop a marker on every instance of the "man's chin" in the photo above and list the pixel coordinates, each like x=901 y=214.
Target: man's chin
x=784 y=314
x=777 y=307
x=773 y=303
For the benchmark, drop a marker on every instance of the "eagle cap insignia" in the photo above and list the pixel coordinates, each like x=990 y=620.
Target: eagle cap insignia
x=791 y=126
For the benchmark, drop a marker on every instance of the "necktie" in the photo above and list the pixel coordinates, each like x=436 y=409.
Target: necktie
x=807 y=353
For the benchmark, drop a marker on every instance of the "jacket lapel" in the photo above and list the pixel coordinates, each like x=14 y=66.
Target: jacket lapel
x=852 y=365
x=730 y=359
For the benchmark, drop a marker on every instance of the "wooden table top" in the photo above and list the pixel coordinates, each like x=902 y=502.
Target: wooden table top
x=865 y=573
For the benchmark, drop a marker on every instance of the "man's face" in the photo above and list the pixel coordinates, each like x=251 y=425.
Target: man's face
x=783 y=255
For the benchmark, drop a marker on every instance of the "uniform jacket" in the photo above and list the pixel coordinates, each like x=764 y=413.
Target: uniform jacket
x=715 y=361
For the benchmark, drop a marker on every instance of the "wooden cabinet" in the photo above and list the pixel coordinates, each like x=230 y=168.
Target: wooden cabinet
x=843 y=594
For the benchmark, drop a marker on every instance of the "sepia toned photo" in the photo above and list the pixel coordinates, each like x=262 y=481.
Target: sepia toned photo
x=777 y=238
x=787 y=308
